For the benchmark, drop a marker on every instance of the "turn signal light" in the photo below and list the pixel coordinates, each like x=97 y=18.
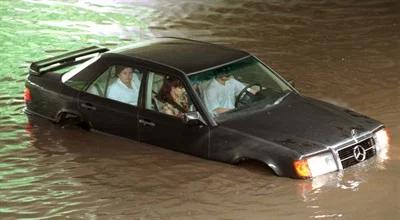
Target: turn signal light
x=302 y=169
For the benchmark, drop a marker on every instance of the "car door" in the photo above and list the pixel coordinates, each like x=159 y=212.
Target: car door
x=165 y=129
x=108 y=105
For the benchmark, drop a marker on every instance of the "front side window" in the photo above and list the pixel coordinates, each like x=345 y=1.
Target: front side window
x=238 y=86
x=167 y=94
x=119 y=83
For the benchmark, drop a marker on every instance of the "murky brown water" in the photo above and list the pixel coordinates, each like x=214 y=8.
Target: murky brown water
x=344 y=52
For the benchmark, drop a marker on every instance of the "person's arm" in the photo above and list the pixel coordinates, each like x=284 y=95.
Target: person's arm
x=221 y=110
x=213 y=103
x=136 y=80
x=112 y=92
x=167 y=110
x=211 y=100
x=238 y=86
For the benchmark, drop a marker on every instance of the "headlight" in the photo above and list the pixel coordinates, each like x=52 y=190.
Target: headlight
x=381 y=143
x=315 y=165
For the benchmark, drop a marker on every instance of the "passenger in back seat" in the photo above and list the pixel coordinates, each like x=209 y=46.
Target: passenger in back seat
x=126 y=87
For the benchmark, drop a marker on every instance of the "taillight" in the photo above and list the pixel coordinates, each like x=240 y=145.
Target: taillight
x=27 y=95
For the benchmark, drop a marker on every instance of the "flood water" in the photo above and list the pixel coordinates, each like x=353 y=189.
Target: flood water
x=345 y=52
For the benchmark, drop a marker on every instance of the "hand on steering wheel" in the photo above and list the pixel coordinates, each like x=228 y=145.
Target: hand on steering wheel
x=240 y=99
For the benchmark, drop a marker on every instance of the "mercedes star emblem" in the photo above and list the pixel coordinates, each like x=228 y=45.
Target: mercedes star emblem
x=353 y=132
x=359 y=153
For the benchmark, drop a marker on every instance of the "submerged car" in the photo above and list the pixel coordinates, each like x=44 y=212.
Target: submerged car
x=262 y=116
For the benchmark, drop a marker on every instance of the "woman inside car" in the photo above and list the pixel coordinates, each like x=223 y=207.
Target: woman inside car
x=173 y=97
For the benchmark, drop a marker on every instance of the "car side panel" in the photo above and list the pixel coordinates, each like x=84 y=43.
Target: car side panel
x=109 y=116
x=231 y=146
x=49 y=96
x=171 y=132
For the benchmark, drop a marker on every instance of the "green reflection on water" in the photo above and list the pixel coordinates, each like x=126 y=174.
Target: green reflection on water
x=31 y=30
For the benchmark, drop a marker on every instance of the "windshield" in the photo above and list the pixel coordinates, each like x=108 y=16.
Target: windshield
x=235 y=88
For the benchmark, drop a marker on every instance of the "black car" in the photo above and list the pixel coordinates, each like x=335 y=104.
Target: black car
x=202 y=99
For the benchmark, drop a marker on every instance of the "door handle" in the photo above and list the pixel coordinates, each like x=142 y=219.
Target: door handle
x=147 y=122
x=88 y=106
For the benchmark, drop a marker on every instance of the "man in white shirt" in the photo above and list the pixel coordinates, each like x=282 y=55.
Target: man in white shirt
x=220 y=94
x=125 y=88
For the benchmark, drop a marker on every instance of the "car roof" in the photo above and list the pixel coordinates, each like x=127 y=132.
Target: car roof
x=186 y=55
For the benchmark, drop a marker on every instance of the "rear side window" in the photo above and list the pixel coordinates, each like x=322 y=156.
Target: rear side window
x=99 y=86
x=76 y=80
x=119 y=83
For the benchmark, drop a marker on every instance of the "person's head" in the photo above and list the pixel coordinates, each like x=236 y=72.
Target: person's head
x=171 y=89
x=125 y=74
x=223 y=74
x=223 y=77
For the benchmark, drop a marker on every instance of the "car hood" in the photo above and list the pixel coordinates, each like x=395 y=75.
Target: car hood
x=302 y=124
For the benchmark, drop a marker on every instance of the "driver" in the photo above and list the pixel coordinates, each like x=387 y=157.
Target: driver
x=220 y=94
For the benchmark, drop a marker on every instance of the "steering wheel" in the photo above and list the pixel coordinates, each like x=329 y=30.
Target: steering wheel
x=245 y=96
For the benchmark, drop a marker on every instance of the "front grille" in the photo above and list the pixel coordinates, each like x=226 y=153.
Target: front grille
x=347 y=156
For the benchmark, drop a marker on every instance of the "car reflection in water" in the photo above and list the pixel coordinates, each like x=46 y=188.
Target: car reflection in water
x=53 y=139
x=350 y=179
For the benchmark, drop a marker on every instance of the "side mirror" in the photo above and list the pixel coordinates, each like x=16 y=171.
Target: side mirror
x=193 y=118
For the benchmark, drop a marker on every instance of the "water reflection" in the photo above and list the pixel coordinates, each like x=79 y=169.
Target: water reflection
x=114 y=18
x=349 y=179
x=96 y=163
x=119 y=169
x=53 y=139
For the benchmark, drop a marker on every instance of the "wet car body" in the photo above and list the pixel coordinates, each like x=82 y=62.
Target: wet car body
x=284 y=136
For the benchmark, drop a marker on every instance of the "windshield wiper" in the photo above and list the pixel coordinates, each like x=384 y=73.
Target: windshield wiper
x=279 y=100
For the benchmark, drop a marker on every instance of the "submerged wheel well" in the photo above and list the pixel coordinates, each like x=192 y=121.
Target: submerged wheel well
x=256 y=164
x=70 y=118
x=65 y=115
